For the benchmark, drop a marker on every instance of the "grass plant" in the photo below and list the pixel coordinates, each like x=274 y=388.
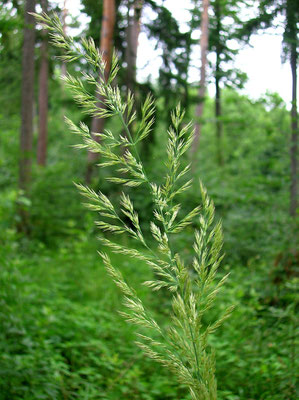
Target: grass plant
x=182 y=346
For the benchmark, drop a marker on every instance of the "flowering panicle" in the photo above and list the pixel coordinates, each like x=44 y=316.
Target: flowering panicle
x=181 y=347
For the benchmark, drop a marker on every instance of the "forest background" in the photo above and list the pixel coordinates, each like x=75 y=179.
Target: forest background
x=61 y=336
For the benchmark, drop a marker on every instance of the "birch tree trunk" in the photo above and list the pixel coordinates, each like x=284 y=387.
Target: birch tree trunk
x=204 y=42
x=43 y=96
x=108 y=21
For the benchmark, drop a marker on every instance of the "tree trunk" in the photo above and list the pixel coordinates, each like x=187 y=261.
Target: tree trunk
x=219 y=130
x=218 y=108
x=26 y=132
x=132 y=35
x=64 y=15
x=133 y=30
x=294 y=137
x=108 y=21
x=204 y=42
x=43 y=96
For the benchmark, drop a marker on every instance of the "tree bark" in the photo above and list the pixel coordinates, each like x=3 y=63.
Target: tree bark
x=218 y=114
x=26 y=132
x=204 y=42
x=64 y=15
x=43 y=96
x=294 y=136
x=218 y=108
x=108 y=21
x=133 y=30
x=132 y=35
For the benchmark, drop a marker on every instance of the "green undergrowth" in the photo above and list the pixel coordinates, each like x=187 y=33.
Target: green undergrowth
x=61 y=337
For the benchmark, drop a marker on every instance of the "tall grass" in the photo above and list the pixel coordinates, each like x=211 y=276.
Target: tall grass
x=183 y=345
